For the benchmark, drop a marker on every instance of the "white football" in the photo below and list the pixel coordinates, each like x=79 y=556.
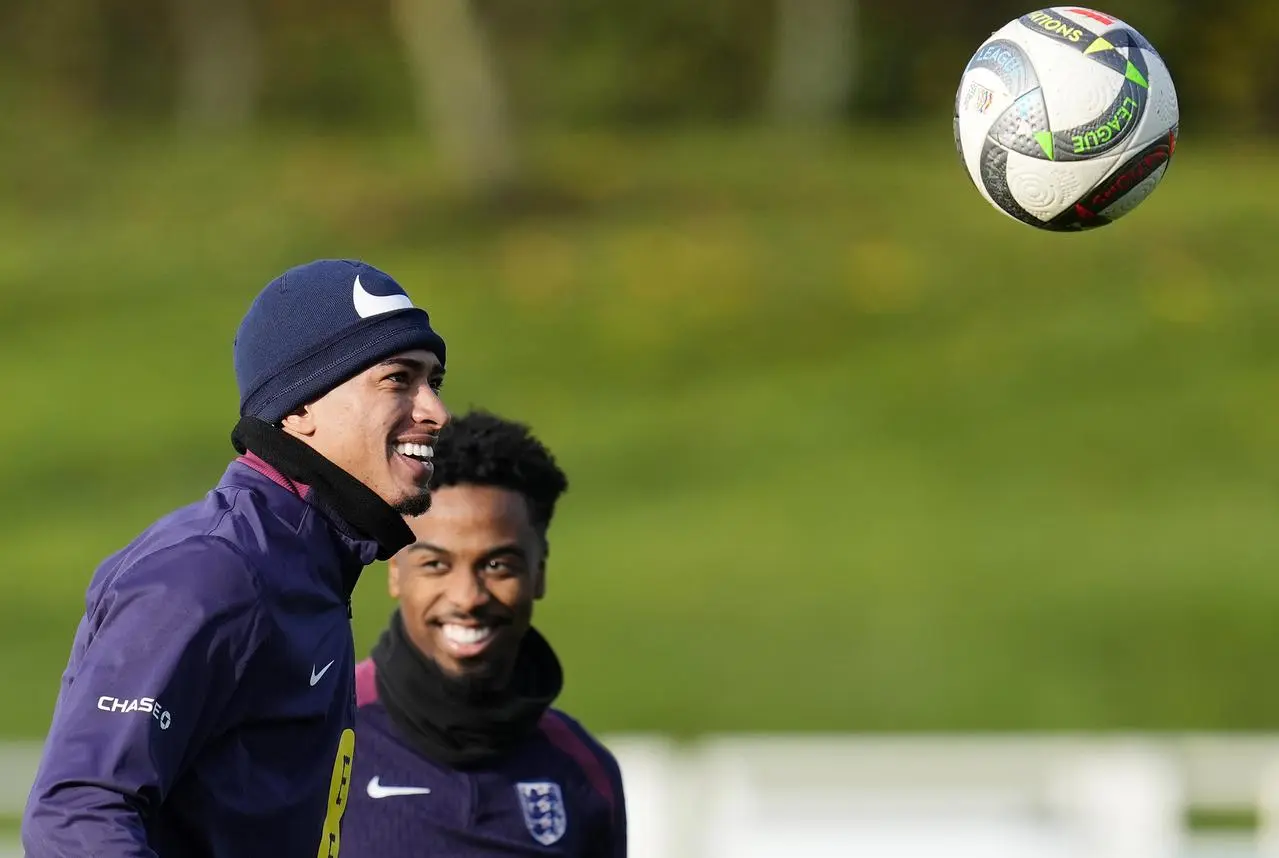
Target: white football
x=1066 y=118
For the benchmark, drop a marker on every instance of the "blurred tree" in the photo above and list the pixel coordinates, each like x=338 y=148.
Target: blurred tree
x=459 y=96
x=333 y=63
x=812 y=75
x=219 y=52
x=608 y=62
x=1225 y=65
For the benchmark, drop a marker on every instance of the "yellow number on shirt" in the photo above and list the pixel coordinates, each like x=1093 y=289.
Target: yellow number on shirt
x=331 y=837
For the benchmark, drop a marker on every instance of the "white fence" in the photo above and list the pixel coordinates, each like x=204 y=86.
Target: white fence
x=921 y=797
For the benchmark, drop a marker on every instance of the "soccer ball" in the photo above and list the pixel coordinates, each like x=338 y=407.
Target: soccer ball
x=1066 y=119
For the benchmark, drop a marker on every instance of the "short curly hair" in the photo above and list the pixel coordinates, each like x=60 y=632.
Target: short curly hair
x=480 y=448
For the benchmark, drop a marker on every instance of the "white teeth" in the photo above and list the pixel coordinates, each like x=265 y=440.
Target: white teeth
x=417 y=451
x=466 y=635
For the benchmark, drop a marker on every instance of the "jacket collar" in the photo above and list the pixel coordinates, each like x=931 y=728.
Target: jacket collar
x=368 y=525
x=252 y=460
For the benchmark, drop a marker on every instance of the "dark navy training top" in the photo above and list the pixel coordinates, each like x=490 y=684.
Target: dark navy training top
x=557 y=795
x=208 y=706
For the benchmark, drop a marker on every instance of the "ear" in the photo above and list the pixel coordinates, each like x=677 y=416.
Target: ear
x=300 y=423
x=393 y=578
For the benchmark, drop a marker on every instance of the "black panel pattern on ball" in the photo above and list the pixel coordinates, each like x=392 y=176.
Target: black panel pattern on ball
x=1121 y=51
x=1084 y=214
x=1124 y=113
x=994 y=177
x=1063 y=30
x=1127 y=37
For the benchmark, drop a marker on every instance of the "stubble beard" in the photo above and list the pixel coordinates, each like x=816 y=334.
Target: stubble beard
x=416 y=504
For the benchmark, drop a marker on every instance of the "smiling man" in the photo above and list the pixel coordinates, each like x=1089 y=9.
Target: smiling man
x=208 y=706
x=459 y=752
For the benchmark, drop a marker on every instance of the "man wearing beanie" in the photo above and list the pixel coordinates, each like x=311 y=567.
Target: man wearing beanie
x=207 y=708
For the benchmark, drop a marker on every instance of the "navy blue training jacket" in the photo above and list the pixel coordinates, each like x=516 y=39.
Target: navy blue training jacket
x=207 y=709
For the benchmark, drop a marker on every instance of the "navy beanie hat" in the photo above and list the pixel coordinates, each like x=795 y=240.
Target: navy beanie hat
x=317 y=325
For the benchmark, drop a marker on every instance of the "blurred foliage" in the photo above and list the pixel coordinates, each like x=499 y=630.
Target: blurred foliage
x=591 y=61
x=849 y=449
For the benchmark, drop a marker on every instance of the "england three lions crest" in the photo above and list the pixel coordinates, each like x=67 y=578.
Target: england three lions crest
x=544 y=811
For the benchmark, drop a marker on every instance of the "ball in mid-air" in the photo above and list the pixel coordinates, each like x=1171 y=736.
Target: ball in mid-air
x=1066 y=118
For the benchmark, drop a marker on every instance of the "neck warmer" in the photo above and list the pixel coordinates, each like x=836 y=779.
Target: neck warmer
x=455 y=722
x=352 y=507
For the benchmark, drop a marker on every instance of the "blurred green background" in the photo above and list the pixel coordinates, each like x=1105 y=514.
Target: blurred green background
x=849 y=449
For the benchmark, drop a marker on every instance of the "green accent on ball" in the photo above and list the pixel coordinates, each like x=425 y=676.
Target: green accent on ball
x=1045 y=139
x=1136 y=76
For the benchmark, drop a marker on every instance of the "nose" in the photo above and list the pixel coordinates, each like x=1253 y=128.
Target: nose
x=467 y=591
x=429 y=408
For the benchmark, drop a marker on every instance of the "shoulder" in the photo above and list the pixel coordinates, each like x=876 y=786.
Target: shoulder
x=181 y=570
x=249 y=512
x=596 y=762
x=566 y=731
x=214 y=545
x=192 y=600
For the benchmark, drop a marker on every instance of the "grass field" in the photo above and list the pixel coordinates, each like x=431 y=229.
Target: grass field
x=849 y=450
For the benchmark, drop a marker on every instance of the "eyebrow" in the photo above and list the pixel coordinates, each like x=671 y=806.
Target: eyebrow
x=426 y=546
x=509 y=548
x=414 y=364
